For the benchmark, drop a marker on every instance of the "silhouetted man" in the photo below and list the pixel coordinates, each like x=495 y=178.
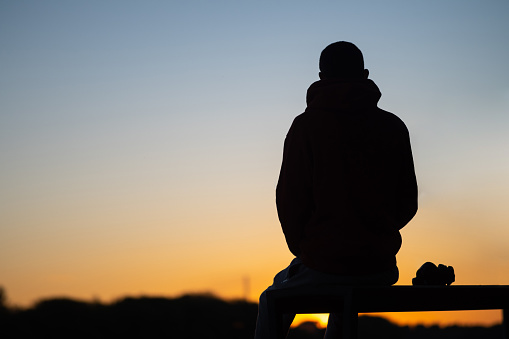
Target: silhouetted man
x=346 y=187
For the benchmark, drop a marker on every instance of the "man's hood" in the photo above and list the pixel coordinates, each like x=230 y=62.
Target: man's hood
x=342 y=94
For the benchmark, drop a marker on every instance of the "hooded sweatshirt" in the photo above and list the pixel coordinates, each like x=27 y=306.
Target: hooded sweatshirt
x=347 y=183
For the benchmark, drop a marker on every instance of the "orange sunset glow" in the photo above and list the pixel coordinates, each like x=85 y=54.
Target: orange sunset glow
x=141 y=141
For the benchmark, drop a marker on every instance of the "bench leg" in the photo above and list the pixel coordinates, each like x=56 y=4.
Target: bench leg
x=505 y=323
x=350 y=319
x=350 y=325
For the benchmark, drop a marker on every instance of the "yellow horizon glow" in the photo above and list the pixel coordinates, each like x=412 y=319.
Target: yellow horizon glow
x=140 y=271
x=485 y=318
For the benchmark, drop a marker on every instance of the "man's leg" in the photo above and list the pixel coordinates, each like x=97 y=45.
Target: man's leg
x=281 y=280
x=334 y=326
x=336 y=320
x=263 y=331
x=297 y=274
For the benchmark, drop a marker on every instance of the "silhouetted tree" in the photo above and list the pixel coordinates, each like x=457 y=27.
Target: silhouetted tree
x=186 y=317
x=3 y=298
x=306 y=330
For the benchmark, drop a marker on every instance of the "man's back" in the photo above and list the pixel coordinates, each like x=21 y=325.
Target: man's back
x=347 y=183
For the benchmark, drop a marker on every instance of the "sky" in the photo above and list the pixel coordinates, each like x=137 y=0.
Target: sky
x=140 y=141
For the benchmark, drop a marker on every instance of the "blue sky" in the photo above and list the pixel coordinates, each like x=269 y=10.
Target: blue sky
x=141 y=141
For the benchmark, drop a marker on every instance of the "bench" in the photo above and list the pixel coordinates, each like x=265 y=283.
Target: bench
x=368 y=299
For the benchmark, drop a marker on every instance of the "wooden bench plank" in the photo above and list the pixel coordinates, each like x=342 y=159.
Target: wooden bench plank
x=368 y=299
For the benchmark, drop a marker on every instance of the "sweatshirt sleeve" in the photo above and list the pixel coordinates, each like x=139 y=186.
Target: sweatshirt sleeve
x=407 y=184
x=384 y=187
x=396 y=204
x=294 y=188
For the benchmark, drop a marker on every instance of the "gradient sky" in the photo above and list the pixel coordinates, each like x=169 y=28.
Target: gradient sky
x=140 y=141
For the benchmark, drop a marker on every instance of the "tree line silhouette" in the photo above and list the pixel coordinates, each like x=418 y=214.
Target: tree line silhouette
x=188 y=317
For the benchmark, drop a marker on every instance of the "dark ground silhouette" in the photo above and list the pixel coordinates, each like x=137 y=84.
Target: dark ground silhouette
x=187 y=317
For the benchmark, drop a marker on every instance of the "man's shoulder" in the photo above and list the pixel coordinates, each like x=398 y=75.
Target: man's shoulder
x=304 y=116
x=374 y=118
x=301 y=120
x=374 y=113
x=390 y=119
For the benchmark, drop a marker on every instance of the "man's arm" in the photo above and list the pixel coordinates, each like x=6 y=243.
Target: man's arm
x=385 y=189
x=400 y=204
x=294 y=189
x=407 y=185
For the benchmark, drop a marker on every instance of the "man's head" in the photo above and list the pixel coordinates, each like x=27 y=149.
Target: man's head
x=342 y=60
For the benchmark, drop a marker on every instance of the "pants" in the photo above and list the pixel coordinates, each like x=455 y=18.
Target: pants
x=297 y=274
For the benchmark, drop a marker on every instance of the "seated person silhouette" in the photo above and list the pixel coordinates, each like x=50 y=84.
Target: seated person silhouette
x=347 y=185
